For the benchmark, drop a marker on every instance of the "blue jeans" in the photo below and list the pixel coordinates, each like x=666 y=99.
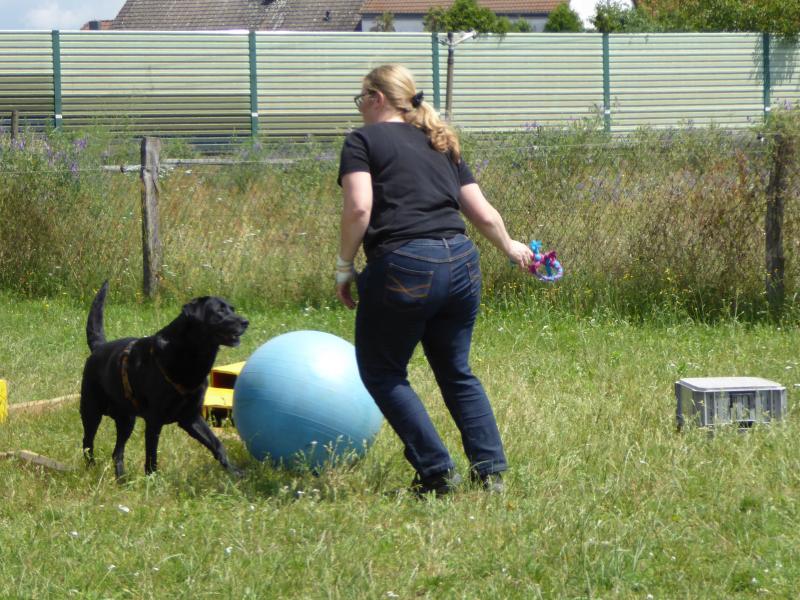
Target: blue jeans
x=426 y=291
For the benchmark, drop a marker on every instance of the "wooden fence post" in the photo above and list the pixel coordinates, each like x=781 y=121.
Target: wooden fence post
x=151 y=243
x=773 y=226
x=14 y=124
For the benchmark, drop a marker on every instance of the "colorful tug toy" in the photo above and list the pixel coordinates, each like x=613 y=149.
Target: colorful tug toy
x=551 y=268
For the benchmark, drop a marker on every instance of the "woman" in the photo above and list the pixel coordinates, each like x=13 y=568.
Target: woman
x=404 y=185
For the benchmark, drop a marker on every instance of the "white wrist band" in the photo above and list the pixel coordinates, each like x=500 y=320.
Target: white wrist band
x=345 y=271
x=342 y=263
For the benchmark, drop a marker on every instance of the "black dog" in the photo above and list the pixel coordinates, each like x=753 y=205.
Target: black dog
x=161 y=378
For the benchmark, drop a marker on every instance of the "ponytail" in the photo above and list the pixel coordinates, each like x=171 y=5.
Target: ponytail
x=441 y=135
x=397 y=83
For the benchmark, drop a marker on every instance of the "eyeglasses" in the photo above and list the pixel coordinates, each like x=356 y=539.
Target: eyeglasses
x=359 y=99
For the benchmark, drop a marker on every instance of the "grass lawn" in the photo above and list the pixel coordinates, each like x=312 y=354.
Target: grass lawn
x=603 y=498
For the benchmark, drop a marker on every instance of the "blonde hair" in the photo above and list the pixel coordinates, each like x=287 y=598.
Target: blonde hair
x=397 y=83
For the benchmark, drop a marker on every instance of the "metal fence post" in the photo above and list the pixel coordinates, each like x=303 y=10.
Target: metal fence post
x=437 y=100
x=765 y=49
x=56 y=44
x=253 y=84
x=606 y=84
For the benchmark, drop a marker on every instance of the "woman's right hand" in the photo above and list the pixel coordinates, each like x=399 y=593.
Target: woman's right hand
x=345 y=275
x=520 y=254
x=345 y=295
x=490 y=224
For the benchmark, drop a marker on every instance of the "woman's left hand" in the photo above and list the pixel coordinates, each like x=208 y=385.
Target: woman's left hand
x=520 y=254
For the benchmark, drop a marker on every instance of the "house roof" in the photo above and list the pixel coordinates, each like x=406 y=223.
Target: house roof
x=536 y=7
x=189 y=14
x=259 y=15
x=312 y=15
x=100 y=24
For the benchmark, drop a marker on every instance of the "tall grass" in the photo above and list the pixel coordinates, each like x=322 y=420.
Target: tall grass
x=604 y=499
x=659 y=221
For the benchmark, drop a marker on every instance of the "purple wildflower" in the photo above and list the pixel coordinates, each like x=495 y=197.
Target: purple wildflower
x=481 y=167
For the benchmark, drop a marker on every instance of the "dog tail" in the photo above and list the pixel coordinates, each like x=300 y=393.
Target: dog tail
x=95 y=333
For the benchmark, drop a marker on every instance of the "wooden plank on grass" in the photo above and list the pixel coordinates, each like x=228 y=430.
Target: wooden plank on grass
x=39 y=406
x=37 y=459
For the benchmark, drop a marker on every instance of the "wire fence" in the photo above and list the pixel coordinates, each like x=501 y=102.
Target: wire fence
x=658 y=221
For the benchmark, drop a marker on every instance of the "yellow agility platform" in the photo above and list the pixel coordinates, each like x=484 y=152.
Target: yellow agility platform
x=218 y=403
x=3 y=400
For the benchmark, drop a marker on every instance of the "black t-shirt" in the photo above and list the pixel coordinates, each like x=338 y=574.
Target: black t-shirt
x=415 y=188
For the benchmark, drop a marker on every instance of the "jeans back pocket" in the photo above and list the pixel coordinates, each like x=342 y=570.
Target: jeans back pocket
x=474 y=273
x=406 y=289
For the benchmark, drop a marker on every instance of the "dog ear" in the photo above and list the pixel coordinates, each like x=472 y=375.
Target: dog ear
x=194 y=309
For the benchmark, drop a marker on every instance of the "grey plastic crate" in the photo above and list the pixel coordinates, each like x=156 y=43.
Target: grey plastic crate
x=714 y=401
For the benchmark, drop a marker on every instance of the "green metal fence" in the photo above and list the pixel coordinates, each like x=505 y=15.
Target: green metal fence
x=662 y=79
x=174 y=84
x=784 y=78
x=306 y=82
x=223 y=86
x=26 y=76
x=525 y=79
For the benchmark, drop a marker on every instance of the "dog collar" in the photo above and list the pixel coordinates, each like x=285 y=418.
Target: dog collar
x=180 y=388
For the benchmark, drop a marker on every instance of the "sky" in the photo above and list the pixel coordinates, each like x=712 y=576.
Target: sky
x=72 y=14
x=55 y=14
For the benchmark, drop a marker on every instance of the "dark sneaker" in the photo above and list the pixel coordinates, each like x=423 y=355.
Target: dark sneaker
x=440 y=485
x=491 y=482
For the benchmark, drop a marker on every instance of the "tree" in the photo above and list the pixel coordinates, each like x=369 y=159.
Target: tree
x=521 y=26
x=384 y=23
x=466 y=15
x=781 y=17
x=563 y=19
x=613 y=17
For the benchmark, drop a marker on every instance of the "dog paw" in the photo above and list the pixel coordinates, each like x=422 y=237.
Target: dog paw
x=235 y=471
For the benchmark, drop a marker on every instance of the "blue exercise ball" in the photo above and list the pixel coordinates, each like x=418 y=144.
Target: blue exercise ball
x=299 y=399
